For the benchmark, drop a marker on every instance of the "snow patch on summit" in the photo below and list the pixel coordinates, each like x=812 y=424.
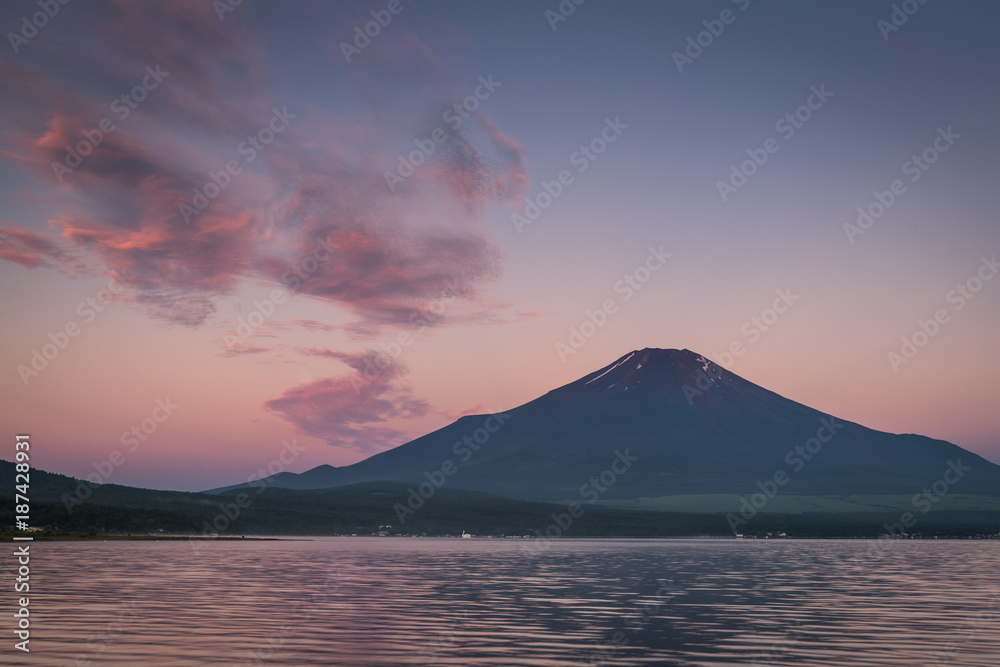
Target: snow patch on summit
x=610 y=369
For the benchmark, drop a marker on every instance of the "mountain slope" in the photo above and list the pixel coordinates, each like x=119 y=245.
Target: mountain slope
x=683 y=425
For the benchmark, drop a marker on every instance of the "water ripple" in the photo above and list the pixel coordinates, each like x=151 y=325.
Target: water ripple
x=370 y=601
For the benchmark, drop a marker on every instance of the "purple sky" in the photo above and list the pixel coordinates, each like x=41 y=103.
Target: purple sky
x=225 y=232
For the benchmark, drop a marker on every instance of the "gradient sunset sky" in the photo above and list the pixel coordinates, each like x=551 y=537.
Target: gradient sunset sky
x=441 y=257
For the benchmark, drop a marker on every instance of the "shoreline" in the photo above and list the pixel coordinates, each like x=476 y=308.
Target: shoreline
x=87 y=537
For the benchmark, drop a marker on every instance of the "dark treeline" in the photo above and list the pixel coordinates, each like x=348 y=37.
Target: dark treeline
x=65 y=504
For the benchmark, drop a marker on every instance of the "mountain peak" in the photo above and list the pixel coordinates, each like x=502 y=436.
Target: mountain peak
x=655 y=366
x=682 y=355
x=670 y=352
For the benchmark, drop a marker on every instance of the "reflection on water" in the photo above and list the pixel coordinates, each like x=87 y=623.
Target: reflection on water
x=398 y=601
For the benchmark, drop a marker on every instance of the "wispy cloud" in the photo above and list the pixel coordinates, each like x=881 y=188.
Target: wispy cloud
x=348 y=411
x=315 y=325
x=319 y=180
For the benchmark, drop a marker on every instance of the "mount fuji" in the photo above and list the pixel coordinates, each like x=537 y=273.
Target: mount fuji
x=676 y=431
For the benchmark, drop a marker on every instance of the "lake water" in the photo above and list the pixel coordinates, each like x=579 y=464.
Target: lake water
x=398 y=601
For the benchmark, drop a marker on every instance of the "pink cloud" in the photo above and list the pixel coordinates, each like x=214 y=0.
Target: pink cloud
x=348 y=411
x=242 y=350
x=31 y=250
x=321 y=180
